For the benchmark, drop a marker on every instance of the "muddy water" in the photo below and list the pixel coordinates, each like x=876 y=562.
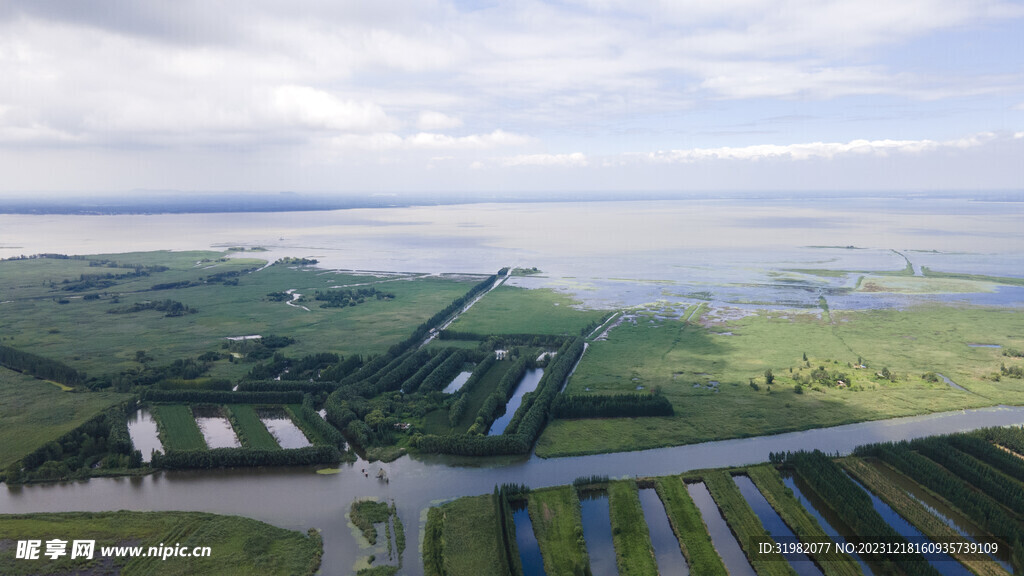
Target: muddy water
x=836 y=529
x=216 y=429
x=526 y=541
x=963 y=525
x=666 y=547
x=142 y=429
x=944 y=563
x=597 y=531
x=527 y=384
x=283 y=429
x=457 y=383
x=298 y=499
x=721 y=536
x=775 y=526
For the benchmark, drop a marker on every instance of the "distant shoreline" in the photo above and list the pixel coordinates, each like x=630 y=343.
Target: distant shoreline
x=165 y=202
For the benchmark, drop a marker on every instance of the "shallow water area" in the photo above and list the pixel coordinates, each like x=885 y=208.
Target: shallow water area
x=528 y=384
x=775 y=526
x=216 y=429
x=666 y=546
x=526 y=540
x=457 y=383
x=281 y=427
x=597 y=531
x=143 y=432
x=721 y=536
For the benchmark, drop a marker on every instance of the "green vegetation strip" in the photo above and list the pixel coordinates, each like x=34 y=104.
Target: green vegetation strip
x=915 y=513
x=178 y=428
x=34 y=412
x=633 y=551
x=686 y=522
x=745 y=524
x=251 y=431
x=365 y=513
x=237 y=545
x=806 y=528
x=558 y=525
x=470 y=539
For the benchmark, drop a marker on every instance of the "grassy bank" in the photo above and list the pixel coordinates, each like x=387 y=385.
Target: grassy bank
x=511 y=310
x=250 y=430
x=705 y=368
x=238 y=546
x=34 y=412
x=633 y=551
x=471 y=543
x=555 y=515
x=177 y=427
x=686 y=522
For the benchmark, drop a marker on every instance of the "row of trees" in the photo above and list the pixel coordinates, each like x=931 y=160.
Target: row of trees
x=975 y=472
x=445 y=373
x=979 y=507
x=525 y=426
x=494 y=404
x=311 y=418
x=102 y=439
x=287 y=386
x=506 y=526
x=341 y=298
x=458 y=408
x=40 y=367
x=170 y=308
x=611 y=406
x=421 y=331
x=219 y=397
x=237 y=457
x=507 y=340
x=854 y=506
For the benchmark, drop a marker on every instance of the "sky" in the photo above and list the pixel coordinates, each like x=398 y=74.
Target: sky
x=349 y=96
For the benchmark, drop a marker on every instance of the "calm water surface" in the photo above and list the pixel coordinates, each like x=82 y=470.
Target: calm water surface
x=527 y=384
x=666 y=546
x=143 y=431
x=597 y=531
x=721 y=537
x=836 y=529
x=526 y=541
x=775 y=526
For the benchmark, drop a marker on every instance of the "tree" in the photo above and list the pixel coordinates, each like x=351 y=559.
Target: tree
x=769 y=378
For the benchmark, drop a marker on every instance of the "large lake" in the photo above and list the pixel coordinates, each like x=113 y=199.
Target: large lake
x=606 y=253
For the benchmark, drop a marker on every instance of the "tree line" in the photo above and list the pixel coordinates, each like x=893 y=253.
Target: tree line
x=458 y=408
x=611 y=406
x=247 y=457
x=983 y=510
x=854 y=506
x=40 y=367
x=219 y=397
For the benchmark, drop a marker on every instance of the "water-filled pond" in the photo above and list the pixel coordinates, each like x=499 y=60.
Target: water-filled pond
x=666 y=546
x=775 y=526
x=143 y=432
x=527 y=384
x=456 y=384
x=281 y=427
x=721 y=536
x=216 y=429
x=597 y=531
x=526 y=540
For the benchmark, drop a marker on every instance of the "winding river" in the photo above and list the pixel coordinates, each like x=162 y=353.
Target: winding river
x=298 y=498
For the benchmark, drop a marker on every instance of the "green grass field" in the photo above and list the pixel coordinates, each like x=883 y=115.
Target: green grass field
x=686 y=522
x=633 y=551
x=34 y=412
x=238 y=546
x=178 y=428
x=250 y=431
x=512 y=310
x=471 y=543
x=683 y=359
x=558 y=525
x=82 y=334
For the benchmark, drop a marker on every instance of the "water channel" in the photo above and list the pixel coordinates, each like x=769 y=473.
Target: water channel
x=775 y=526
x=298 y=498
x=722 y=538
x=836 y=529
x=667 y=552
x=457 y=383
x=283 y=429
x=597 y=531
x=526 y=540
x=527 y=384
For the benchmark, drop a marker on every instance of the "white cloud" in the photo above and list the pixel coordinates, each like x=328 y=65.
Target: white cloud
x=317 y=109
x=430 y=120
x=825 y=150
x=576 y=159
x=382 y=141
